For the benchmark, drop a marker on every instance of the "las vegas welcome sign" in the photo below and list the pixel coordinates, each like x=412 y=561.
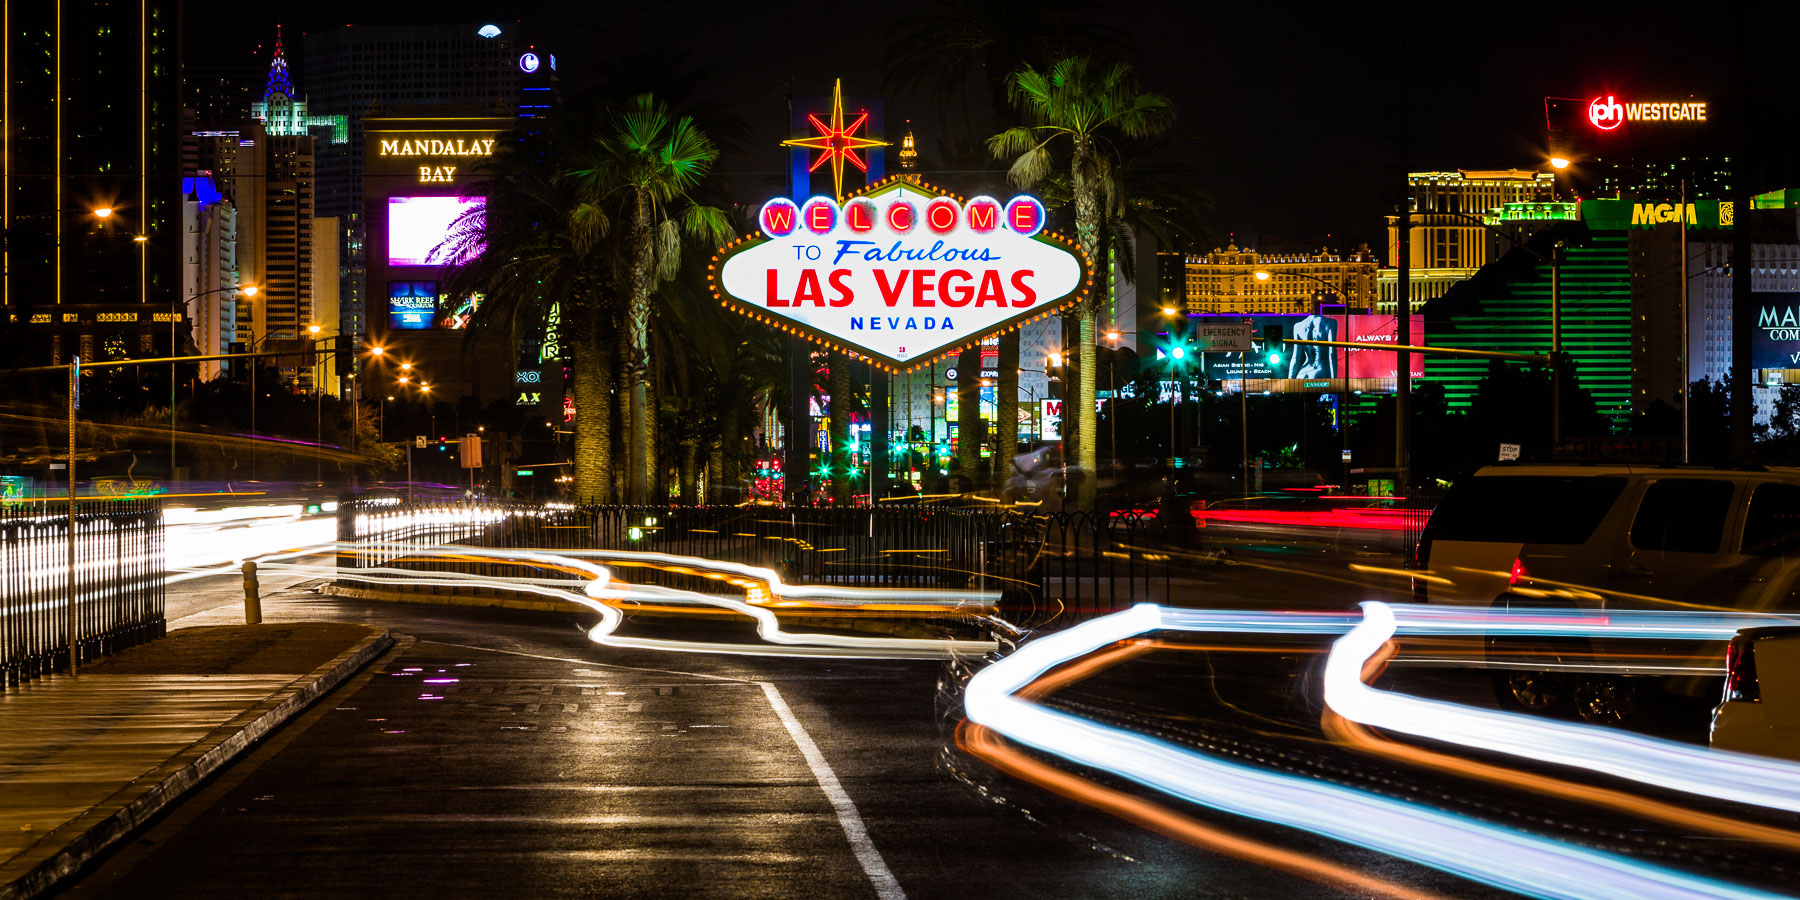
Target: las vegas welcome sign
x=901 y=273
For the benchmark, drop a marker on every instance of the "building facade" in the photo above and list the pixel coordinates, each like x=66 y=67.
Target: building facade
x=415 y=172
x=209 y=270
x=375 y=70
x=91 y=196
x=1224 y=281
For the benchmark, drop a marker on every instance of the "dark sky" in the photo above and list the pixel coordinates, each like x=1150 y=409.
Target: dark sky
x=1296 y=122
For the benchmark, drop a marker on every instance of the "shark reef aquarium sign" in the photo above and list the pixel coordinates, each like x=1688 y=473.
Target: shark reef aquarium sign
x=901 y=273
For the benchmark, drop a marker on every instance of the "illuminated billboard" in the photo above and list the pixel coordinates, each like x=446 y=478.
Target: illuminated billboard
x=902 y=273
x=1299 y=367
x=1776 y=344
x=418 y=227
x=412 y=305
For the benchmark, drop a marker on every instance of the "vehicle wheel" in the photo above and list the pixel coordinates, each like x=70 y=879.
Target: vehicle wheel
x=1606 y=700
x=1531 y=691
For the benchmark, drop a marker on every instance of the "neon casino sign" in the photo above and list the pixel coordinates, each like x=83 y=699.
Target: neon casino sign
x=901 y=273
x=1607 y=113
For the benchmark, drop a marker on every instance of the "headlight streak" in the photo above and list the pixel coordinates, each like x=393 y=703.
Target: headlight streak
x=1362 y=739
x=1491 y=854
x=601 y=592
x=1740 y=778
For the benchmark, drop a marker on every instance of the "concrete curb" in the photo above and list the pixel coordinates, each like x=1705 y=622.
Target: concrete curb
x=73 y=845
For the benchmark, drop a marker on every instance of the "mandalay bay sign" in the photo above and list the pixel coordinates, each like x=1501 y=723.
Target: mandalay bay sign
x=901 y=273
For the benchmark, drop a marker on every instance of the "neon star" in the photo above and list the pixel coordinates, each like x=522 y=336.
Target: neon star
x=837 y=142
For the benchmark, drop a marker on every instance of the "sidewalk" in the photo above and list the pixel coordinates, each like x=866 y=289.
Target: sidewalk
x=85 y=760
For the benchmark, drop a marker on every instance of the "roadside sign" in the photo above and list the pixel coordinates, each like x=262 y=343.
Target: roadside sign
x=1346 y=454
x=419 y=442
x=1224 y=337
x=1509 y=452
x=950 y=374
x=74 y=382
x=471 y=451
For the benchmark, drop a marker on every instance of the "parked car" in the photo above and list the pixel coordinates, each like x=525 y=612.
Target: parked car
x=1610 y=537
x=1760 y=710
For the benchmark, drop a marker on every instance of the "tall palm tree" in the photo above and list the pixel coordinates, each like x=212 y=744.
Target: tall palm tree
x=539 y=244
x=1088 y=107
x=649 y=165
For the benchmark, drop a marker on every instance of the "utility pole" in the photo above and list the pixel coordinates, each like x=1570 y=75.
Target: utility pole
x=1743 y=310
x=1403 y=330
x=1556 y=378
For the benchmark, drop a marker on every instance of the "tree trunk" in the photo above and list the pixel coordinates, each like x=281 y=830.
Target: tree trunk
x=643 y=452
x=843 y=481
x=1087 y=231
x=1006 y=410
x=723 y=486
x=591 y=385
x=620 y=438
x=659 y=471
x=690 y=462
x=970 y=430
x=716 y=490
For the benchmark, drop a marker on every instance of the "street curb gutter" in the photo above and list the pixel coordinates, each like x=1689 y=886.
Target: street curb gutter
x=73 y=845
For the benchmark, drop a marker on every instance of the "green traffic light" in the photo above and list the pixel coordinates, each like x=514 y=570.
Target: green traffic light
x=1177 y=352
x=1275 y=358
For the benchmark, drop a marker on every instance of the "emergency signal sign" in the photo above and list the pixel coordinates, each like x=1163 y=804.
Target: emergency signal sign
x=902 y=273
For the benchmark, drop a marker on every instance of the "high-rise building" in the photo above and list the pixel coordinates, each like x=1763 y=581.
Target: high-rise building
x=209 y=269
x=363 y=70
x=283 y=109
x=1447 y=241
x=271 y=182
x=91 y=201
x=1225 y=281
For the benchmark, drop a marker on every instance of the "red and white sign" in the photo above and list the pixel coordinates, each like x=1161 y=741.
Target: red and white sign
x=903 y=273
x=1607 y=112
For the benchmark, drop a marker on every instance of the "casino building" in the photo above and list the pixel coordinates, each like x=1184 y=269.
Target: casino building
x=1224 y=281
x=415 y=169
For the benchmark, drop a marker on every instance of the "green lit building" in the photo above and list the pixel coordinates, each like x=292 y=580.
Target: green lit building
x=1506 y=307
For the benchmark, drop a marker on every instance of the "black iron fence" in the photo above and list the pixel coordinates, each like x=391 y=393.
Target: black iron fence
x=119 y=570
x=1046 y=568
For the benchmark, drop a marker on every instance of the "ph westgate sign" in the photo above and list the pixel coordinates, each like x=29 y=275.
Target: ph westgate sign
x=1607 y=112
x=901 y=273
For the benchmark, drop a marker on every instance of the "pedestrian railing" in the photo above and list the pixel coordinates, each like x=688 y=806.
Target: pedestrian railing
x=119 y=571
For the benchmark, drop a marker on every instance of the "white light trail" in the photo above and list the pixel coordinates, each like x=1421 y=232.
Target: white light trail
x=1483 y=852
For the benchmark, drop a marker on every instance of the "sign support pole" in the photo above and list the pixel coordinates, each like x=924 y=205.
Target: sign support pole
x=74 y=402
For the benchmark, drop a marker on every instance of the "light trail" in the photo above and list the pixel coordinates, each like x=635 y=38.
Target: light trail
x=1491 y=854
x=1740 y=778
x=603 y=594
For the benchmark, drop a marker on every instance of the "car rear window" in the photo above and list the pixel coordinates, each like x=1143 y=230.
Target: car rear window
x=1772 y=525
x=1524 y=509
x=1682 y=515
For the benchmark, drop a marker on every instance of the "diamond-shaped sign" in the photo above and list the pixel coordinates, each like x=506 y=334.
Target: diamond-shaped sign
x=902 y=273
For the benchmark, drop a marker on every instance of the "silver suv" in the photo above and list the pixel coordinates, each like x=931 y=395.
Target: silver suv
x=1611 y=537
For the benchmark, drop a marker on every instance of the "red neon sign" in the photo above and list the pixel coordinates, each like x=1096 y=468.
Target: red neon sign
x=1606 y=113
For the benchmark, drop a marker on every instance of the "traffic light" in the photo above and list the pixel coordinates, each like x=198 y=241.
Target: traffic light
x=1272 y=344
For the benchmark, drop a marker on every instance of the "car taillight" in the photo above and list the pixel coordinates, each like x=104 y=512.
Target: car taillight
x=1740 y=671
x=1519 y=573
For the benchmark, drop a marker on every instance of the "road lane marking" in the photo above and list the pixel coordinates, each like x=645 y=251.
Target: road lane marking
x=886 y=885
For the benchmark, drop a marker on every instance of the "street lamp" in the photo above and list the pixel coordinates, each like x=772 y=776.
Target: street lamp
x=248 y=290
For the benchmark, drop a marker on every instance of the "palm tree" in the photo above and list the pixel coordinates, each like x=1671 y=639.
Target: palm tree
x=539 y=245
x=1092 y=106
x=650 y=164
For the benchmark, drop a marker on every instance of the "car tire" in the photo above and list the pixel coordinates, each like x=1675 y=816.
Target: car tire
x=1523 y=690
x=1609 y=700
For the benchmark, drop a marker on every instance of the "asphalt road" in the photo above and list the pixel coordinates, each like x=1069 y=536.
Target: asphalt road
x=551 y=766
x=498 y=752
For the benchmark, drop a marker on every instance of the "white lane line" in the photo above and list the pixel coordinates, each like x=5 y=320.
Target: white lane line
x=886 y=885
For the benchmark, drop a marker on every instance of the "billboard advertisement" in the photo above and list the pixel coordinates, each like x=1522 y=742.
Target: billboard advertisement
x=412 y=305
x=902 y=274
x=418 y=227
x=1310 y=368
x=1776 y=344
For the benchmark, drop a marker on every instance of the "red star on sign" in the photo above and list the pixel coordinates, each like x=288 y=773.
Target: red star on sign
x=837 y=142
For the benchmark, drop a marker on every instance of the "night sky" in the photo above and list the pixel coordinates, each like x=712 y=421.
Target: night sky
x=1296 y=122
